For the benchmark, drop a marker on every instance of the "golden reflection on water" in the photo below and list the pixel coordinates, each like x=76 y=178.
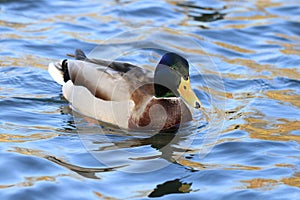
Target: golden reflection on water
x=291 y=49
x=26 y=151
x=12 y=24
x=269 y=184
x=105 y=197
x=276 y=129
x=287 y=47
x=204 y=166
x=22 y=36
x=249 y=21
x=33 y=180
x=263 y=4
x=261 y=17
x=25 y=60
x=286 y=96
x=260 y=129
x=257 y=68
x=260 y=183
x=14 y=138
x=234 y=47
x=288 y=37
x=292 y=181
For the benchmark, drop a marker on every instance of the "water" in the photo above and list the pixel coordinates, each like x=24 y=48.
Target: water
x=248 y=57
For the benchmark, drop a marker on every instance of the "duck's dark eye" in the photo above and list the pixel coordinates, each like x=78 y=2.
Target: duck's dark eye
x=184 y=87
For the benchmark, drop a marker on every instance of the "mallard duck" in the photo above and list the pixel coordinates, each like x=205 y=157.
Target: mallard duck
x=126 y=95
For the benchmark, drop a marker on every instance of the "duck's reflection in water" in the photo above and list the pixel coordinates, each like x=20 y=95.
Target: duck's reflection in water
x=107 y=142
x=83 y=171
x=165 y=143
x=171 y=187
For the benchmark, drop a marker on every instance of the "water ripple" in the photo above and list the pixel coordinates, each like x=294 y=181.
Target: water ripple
x=247 y=54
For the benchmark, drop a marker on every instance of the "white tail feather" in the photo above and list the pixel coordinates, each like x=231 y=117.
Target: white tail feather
x=56 y=73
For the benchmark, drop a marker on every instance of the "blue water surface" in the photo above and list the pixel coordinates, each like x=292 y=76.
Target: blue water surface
x=245 y=60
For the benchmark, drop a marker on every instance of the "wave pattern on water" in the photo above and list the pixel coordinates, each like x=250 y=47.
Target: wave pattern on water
x=249 y=83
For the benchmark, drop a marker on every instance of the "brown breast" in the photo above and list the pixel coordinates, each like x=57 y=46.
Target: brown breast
x=159 y=114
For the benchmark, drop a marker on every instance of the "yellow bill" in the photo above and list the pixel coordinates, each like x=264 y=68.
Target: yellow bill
x=186 y=92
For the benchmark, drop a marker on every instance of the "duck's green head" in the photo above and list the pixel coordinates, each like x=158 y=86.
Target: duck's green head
x=172 y=79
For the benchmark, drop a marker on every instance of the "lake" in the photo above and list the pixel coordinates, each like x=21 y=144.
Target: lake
x=245 y=68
